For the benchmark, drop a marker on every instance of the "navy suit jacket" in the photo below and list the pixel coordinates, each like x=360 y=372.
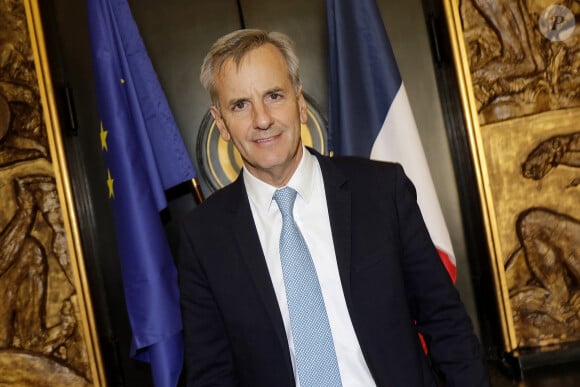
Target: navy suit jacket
x=393 y=280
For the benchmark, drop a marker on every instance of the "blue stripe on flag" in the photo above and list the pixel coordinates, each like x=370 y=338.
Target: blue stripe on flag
x=364 y=77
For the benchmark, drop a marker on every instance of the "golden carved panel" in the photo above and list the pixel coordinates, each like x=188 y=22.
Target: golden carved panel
x=47 y=332
x=523 y=56
x=518 y=67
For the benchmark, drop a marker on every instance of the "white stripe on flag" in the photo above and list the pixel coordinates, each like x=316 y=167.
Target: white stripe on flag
x=398 y=141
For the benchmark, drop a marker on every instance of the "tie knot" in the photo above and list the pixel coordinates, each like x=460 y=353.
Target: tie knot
x=285 y=198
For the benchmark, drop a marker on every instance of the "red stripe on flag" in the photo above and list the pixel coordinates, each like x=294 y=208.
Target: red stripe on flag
x=449 y=265
x=423 y=343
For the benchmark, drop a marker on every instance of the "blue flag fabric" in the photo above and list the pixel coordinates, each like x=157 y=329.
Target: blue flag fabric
x=144 y=155
x=369 y=112
x=363 y=75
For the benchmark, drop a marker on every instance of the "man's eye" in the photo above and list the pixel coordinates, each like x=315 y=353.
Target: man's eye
x=275 y=96
x=239 y=105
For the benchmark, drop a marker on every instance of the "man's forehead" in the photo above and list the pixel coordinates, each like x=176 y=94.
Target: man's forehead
x=238 y=60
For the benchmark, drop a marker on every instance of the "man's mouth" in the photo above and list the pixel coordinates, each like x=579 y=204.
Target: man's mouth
x=266 y=139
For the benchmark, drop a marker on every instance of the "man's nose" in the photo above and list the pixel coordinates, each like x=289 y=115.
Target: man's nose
x=262 y=116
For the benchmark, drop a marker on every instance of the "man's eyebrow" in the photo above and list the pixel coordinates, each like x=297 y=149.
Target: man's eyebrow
x=235 y=101
x=276 y=89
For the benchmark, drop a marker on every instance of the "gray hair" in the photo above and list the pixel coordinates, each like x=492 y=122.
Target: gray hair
x=236 y=45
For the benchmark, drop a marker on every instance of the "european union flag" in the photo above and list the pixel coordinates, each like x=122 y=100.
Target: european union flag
x=145 y=155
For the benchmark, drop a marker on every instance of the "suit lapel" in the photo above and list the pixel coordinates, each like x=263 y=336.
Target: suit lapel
x=338 y=199
x=248 y=243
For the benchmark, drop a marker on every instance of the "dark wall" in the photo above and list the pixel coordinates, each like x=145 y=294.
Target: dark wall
x=177 y=34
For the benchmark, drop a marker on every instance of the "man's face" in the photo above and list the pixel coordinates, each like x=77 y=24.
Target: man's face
x=260 y=111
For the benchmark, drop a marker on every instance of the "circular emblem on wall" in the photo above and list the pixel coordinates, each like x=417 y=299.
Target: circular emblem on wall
x=556 y=23
x=220 y=162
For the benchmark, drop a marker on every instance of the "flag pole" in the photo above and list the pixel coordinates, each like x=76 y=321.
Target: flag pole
x=196 y=191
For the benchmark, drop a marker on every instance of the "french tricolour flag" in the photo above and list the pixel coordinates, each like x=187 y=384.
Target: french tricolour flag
x=369 y=113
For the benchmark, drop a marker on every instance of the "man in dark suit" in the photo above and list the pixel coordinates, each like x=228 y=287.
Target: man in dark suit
x=375 y=268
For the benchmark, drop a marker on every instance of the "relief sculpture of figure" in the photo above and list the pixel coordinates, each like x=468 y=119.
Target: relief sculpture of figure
x=546 y=307
x=24 y=276
x=41 y=341
x=544 y=272
x=22 y=133
x=19 y=141
x=557 y=150
x=516 y=70
x=511 y=22
x=23 y=264
x=23 y=257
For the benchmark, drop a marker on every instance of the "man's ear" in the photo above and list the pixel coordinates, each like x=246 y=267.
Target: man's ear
x=302 y=107
x=219 y=121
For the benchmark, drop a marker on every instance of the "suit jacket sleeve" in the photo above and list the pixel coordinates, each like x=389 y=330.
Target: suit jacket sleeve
x=434 y=302
x=208 y=356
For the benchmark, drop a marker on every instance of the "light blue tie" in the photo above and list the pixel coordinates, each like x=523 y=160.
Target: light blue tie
x=313 y=344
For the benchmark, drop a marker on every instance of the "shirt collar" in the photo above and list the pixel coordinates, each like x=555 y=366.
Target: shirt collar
x=261 y=193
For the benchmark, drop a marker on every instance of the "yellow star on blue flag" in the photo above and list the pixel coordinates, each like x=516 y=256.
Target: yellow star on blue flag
x=103 y=134
x=110 y=182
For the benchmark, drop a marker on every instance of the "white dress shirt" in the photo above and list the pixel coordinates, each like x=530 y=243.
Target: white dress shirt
x=311 y=216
